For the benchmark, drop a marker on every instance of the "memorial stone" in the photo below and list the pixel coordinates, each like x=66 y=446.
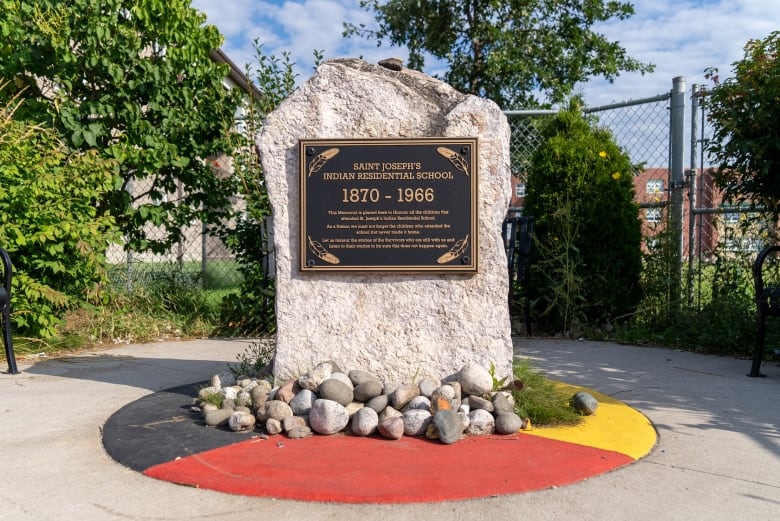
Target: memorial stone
x=395 y=318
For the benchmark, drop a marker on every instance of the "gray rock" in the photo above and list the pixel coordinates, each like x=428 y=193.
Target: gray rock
x=416 y=421
x=226 y=378
x=341 y=377
x=359 y=376
x=449 y=426
x=241 y=421
x=464 y=419
x=290 y=423
x=475 y=379
x=428 y=385
x=481 y=422
x=391 y=428
x=206 y=407
x=476 y=402
x=336 y=390
x=217 y=417
x=277 y=410
x=503 y=402
x=302 y=402
x=261 y=387
x=378 y=403
x=328 y=417
x=364 y=422
x=367 y=390
x=403 y=395
x=508 y=423
x=418 y=402
x=390 y=387
x=273 y=426
x=584 y=403
x=299 y=432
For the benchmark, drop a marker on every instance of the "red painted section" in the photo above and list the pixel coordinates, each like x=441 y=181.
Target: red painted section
x=350 y=469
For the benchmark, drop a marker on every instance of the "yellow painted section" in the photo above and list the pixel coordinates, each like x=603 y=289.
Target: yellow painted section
x=614 y=426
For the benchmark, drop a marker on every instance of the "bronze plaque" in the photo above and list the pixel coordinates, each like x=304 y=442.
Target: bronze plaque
x=389 y=205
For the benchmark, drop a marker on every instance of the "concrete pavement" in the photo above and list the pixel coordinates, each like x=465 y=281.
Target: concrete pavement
x=717 y=458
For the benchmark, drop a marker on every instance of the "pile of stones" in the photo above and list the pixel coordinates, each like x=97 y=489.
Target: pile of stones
x=327 y=400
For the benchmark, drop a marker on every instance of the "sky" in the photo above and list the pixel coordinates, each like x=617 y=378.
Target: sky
x=681 y=37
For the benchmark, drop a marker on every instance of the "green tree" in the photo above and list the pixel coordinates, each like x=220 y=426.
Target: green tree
x=131 y=79
x=744 y=113
x=252 y=310
x=49 y=223
x=588 y=233
x=507 y=51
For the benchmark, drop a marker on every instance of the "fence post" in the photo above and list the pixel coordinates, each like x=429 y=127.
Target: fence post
x=677 y=184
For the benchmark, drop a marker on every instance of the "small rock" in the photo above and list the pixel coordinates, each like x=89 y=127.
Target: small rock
x=427 y=386
x=299 y=432
x=277 y=410
x=217 y=417
x=359 y=376
x=216 y=382
x=341 y=377
x=243 y=399
x=273 y=426
x=464 y=419
x=208 y=392
x=416 y=421
x=418 y=402
x=475 y=379
x=378 y=403
x=449 y=426
x=389 y=412
x=337 y=391
x=403 y=395
x=287 y=391
x=226 y=378
x=367 y=390
x=391 y=428
x=364 y=422
x=229 y=393
x=328 y=417
x=302 y=402
x=503 y=402
x=475 y=402
x=481 y=423
x=293 y=422
x=353 y=407
x=394 y=64
x=508 y=423
x=241 y=421
x=316 y=376
x=584 y=403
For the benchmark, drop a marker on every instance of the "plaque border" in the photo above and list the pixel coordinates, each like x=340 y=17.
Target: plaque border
x=470 y=268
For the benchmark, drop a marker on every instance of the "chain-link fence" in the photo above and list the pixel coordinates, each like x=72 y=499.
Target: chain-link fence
x=200 y=261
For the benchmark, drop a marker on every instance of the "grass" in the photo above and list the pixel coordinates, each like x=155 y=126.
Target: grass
x=540 y=399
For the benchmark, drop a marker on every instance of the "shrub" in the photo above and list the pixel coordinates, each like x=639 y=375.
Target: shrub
x=588 y=232
x=49 y=222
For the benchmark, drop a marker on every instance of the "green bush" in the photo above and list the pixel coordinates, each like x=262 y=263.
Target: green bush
x=588 y=233
x=49 y=222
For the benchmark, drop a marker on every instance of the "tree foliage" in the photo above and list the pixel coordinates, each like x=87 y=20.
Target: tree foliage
x=512 y=52
x=49 y=223
x=588 y=233
x=744 y=111
x=252 y=310
x=132 y=80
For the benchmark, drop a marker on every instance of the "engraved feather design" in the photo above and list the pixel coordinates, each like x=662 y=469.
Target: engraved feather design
x=456 y=251
x=321 y=158
x=455 y=158
x=320 y=251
